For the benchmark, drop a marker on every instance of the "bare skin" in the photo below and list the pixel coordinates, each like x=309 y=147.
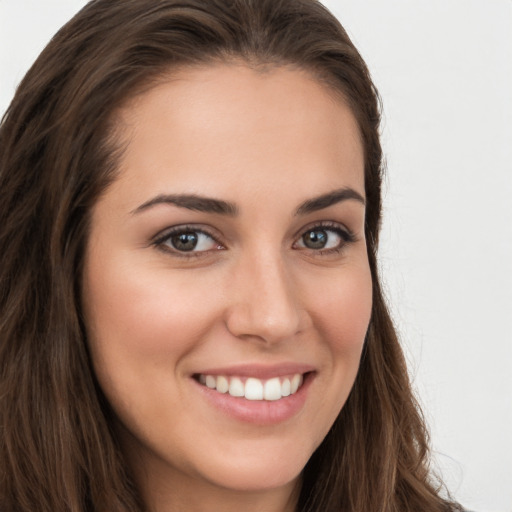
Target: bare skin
x=231 y=248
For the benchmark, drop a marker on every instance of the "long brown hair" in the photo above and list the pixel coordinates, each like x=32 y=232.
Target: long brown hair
x=58 y=152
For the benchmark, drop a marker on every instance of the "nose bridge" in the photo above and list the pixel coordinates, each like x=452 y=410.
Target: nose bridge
x=265 y=303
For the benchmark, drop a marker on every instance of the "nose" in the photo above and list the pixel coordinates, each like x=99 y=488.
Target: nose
x=265 y=303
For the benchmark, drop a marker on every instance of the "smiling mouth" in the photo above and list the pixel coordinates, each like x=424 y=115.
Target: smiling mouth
x=252 y=388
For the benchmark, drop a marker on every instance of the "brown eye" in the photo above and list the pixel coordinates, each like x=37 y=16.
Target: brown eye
x=187 y=240
x=324 y=238
x=315 y=239
x=184 y=241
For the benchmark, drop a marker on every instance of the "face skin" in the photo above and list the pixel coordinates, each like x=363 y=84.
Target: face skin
x=268 y=284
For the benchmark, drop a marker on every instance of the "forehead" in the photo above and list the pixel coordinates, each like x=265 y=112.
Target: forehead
x=206 y=127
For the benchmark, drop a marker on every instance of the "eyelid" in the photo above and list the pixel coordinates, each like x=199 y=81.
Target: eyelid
x=160 y=238
x=326 y=224
x=347 y=235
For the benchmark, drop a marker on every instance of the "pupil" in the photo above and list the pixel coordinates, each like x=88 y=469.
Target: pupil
x=185 y=241
x=315 y=239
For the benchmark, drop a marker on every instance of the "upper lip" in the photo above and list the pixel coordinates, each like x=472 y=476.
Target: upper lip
x=259 y=370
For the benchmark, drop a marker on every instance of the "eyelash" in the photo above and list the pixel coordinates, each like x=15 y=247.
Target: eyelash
x=346 y=237
x=161 y=241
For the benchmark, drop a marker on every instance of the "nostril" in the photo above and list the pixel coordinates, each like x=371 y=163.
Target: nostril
x=265 y=305
x=268 y=323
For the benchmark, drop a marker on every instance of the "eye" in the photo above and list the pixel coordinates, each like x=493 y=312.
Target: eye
x=187 y=240
x=325 y=238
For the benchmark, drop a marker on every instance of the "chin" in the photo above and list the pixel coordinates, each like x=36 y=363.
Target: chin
x=263 y=469
x=250 y=479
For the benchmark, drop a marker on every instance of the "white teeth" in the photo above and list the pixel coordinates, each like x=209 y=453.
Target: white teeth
x=285 y=387
x=254 y=389
x=236 y=387
x=222 y=384
x=211 y=381
x=295 y=383
x=272 y=389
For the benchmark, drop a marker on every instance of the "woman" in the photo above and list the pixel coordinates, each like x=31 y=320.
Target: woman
x=191 y=315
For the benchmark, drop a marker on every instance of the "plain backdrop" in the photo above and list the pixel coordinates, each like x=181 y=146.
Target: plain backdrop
x=444 y=70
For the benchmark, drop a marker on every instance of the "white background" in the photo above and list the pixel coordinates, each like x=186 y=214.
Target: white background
x=444 y=70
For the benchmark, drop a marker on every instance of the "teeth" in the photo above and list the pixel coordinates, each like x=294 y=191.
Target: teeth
x=286 y=388
x=295 y=383
x=236 y=387
x=211 y=382
x=222 y=384
x=254 y=389
x=272 y=390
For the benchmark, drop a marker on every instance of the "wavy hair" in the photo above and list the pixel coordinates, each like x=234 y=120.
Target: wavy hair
x=58 y=152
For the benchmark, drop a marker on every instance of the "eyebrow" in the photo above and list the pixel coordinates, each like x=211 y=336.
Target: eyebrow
x=192 y=202
x=329 y=199
x=218 y=206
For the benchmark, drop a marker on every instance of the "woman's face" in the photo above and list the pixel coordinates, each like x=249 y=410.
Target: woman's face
x=228 y=259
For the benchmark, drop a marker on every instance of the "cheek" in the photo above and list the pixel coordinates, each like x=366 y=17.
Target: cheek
x=341 y=314
x=345 y=310
x=125 y=300
x=141 y=327
x=138 y=321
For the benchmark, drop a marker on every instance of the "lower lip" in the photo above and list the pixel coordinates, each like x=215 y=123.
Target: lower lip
x=259 y=412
